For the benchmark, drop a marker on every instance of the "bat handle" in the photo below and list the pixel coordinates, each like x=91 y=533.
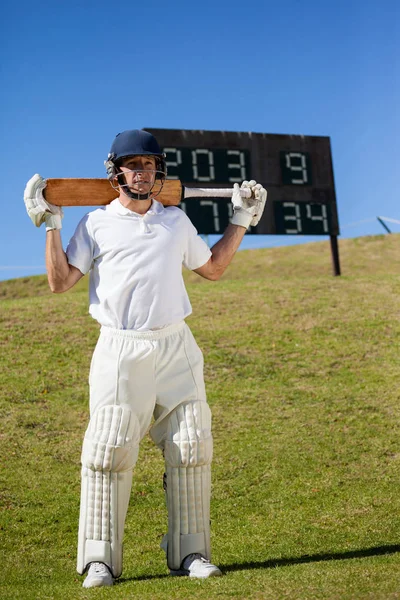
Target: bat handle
x=213 y=193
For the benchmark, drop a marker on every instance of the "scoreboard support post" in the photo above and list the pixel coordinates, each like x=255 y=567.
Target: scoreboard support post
x=335 y=255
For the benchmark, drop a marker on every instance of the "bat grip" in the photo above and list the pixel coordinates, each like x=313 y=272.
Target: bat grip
x=213 y=193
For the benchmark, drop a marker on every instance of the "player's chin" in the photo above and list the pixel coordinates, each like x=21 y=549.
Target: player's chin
x=141 y=188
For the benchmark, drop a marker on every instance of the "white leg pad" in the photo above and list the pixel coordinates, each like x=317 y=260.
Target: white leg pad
x=188 y=455
x=109 y=453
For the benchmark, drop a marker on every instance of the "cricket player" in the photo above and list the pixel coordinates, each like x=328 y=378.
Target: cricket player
x=146 y=373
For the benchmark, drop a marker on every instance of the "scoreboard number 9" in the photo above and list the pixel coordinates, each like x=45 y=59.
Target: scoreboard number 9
x=296 y=168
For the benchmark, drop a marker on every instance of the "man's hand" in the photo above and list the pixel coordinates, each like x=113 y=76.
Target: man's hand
x=37 y=208
x=248 y=211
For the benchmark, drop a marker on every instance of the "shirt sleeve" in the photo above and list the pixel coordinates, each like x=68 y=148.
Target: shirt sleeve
x=80 y=249
x=197 y=253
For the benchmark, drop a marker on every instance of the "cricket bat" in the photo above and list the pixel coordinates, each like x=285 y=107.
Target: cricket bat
x=98 y=192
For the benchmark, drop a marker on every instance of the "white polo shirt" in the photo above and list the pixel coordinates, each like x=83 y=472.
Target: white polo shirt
x=135 y=263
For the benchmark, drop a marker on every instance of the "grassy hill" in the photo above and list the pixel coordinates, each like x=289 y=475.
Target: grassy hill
x=302 y=372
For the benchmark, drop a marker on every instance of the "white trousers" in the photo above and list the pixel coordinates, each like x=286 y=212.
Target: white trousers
x=135 y=377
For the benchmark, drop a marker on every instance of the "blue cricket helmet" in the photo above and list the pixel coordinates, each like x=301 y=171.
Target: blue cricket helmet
x=134 y=142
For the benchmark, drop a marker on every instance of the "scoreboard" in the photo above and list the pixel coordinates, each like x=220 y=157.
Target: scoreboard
x=296 y=170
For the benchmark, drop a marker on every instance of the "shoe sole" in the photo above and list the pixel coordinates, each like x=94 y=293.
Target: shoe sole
x=185 y=573
x=97 y=583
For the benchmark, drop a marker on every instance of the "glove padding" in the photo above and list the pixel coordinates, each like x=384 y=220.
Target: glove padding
x=37 y=208
x=247 y=211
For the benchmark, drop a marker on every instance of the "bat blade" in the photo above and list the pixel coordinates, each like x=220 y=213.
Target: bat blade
x=98 y=192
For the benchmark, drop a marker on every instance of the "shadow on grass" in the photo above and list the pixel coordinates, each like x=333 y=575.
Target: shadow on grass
x=310 y=558
x=284 y=562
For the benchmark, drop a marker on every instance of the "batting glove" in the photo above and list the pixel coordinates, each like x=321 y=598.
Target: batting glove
x=37 y=208
x=247 y=211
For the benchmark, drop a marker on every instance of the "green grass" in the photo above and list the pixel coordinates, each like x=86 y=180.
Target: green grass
x=302 y=373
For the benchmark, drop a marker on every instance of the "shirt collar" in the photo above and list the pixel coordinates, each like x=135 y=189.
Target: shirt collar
x=155 y=208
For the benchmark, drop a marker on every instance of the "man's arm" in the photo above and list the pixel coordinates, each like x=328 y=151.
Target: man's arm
x=246 y=212
x=61 y=275
x=222 y=253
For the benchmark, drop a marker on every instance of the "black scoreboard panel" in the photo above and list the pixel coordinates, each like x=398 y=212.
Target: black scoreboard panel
x=296 y=170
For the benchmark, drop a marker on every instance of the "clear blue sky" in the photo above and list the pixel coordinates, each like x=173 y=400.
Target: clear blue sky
x=74 y=74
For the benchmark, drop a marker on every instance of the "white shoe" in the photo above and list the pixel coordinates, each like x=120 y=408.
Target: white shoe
x=195 y=565
x=98 y=576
